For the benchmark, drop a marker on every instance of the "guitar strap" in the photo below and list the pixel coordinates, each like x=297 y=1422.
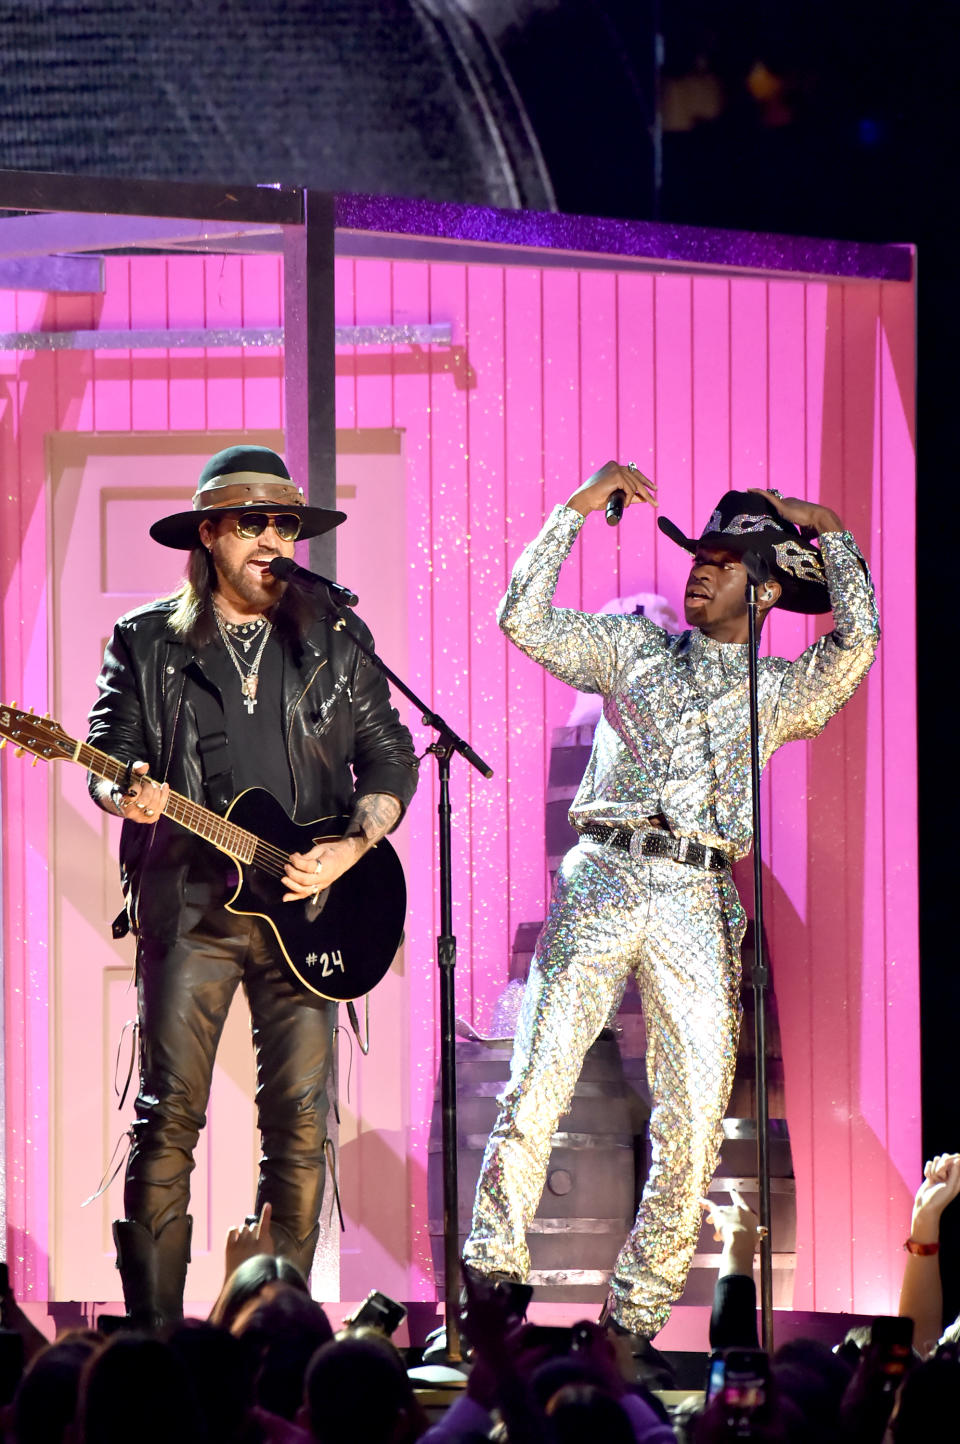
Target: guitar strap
x=213 y=747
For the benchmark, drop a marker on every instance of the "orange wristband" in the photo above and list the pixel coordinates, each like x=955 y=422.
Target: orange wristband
x=922 y=1250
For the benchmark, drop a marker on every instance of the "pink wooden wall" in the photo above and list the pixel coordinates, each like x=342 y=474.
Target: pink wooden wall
x=706 y=382
x=40 y=393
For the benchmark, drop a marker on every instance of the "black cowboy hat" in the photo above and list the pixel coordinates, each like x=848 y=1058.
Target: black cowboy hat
x=745 y=522
x=238 y=479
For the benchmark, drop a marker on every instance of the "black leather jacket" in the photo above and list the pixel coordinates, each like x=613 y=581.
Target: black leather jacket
x=342 y=736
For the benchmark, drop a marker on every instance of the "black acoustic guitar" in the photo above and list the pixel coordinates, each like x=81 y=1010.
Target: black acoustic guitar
x=339 y=946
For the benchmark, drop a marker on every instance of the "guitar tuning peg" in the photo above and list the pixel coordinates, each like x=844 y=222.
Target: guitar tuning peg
x=19 y=751
x=3 y=743
x=47 y=717
x=31 y=711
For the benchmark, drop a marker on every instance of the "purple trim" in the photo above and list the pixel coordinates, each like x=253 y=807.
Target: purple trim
x=641 y=240
x=81 y=275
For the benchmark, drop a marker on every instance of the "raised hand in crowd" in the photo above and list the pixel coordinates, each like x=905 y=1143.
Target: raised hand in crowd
x=921 y=1293
x=737 y=1227
x=733 y=1321
x=505 y=1354
x=252 y=1237
x=940 y=1186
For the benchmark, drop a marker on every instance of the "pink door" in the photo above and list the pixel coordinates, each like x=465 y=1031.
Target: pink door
x=104 y=493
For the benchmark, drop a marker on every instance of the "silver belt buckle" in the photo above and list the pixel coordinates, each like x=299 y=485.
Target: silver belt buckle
x=683 y=847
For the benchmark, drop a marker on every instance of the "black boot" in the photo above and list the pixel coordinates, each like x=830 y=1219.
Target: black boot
x=482 y=1283
x=153 y=1270
x=652 y=1369
x=298 y=1252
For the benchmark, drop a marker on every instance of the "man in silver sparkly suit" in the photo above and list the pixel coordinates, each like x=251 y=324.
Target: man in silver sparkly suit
x=663 y=810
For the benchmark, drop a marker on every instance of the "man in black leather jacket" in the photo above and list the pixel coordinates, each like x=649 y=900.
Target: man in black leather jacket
x=233 y=682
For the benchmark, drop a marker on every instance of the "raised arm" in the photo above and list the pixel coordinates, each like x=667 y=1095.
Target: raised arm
x=613 y=476
x=826 y=675
x=577 y=647
x=733 y=1319
x=921 y=1293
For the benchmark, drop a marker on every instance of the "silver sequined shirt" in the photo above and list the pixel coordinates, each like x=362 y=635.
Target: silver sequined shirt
x=673 y=738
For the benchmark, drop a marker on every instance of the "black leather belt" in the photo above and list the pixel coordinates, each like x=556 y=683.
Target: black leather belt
x=654 y=843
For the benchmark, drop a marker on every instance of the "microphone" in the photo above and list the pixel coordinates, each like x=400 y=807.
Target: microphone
x=288 y=570
x=615 y=504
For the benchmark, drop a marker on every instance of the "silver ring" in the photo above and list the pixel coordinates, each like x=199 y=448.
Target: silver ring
x=632 y=466
x=319 y=864
x=140 y=807
x=148 y=812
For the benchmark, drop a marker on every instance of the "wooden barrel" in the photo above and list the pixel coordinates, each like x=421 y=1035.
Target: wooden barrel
x=592 y=1186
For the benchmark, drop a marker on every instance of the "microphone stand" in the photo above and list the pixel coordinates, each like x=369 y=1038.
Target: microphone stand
x=758 y=571
x=442 y=749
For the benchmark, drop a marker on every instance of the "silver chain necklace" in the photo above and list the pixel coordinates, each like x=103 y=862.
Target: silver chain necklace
x=244 y=633
x=248 y=678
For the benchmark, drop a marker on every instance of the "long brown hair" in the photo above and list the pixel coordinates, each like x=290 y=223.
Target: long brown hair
x=192 y=616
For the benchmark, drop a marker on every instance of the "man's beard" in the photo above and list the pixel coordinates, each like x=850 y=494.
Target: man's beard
x=245 y=584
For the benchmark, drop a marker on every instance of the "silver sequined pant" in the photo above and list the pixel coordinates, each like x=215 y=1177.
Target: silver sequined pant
x=678 y=929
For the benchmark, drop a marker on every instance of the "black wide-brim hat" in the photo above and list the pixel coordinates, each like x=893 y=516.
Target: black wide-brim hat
x=745 y=522
x=239 y=479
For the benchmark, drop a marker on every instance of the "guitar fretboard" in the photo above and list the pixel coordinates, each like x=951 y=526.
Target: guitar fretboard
x=235 y=841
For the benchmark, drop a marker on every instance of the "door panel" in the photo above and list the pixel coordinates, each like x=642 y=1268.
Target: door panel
x=105 y=492
x=375 y=1113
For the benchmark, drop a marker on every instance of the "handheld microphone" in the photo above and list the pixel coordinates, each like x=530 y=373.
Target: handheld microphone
x=615 y=504
x=288 y=570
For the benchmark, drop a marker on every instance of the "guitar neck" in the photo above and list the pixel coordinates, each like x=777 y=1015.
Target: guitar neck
x=235 y=841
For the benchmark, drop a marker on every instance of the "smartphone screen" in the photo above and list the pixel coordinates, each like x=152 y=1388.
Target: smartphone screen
x=715 y=1376
x=379 y=1312
x=891 y=1341
x=553 y=1338
x=745 y=1382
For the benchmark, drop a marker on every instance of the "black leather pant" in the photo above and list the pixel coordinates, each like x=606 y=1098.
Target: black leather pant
x=185 y=986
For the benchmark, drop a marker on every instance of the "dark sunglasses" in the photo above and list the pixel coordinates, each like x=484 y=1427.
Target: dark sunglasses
x=254 y=523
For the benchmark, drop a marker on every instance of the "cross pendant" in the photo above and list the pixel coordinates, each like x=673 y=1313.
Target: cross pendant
x=249 y=690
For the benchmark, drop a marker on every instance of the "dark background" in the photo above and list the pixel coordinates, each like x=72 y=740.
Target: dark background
x=828 y=119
